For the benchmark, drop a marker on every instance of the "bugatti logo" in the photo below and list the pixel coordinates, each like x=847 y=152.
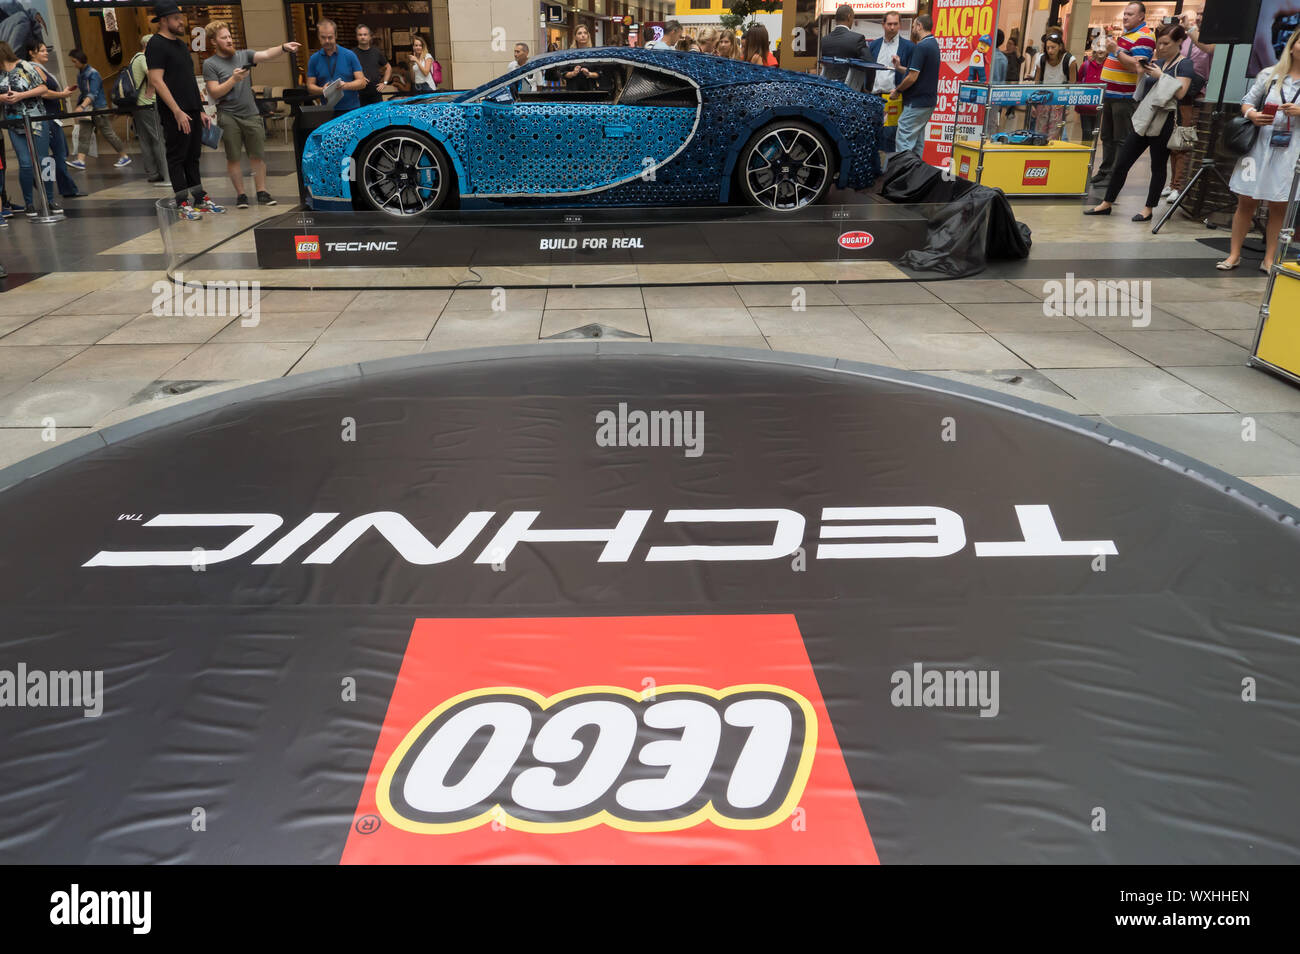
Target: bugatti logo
x=739 y=758
x=306 y=246
x=856 y=240
x=1036 y=172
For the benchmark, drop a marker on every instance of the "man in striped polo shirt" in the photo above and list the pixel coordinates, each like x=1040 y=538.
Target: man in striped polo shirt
x=1125 y=58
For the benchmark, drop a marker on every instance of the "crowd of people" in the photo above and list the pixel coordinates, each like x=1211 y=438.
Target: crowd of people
x=170 y=118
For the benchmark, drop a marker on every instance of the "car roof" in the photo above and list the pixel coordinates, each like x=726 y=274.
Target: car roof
x=704 y=68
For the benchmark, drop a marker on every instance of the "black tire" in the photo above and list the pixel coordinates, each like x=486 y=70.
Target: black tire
x=403 y=173
x=787 y=165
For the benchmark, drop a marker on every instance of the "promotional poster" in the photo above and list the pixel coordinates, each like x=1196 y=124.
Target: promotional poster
x=964 y=30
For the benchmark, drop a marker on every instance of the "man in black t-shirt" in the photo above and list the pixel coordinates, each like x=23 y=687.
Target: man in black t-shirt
x=180 y=111
x=374 y=66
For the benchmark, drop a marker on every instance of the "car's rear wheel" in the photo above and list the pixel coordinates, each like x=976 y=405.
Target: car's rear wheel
x=786 y=166
x=403 y=173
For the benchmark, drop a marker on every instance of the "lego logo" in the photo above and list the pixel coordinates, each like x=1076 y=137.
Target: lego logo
x=1035 y=173
x=601 y=755
x=855 y=240
x=306 y=246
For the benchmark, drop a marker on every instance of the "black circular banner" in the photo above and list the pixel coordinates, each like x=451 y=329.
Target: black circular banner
x=640 y=603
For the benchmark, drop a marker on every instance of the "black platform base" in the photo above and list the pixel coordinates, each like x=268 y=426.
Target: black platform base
x=851 y=226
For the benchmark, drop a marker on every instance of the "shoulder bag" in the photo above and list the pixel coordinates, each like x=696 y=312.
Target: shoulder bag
x=1240 y=134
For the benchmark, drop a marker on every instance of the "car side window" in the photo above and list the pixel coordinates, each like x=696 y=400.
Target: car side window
x=650 y=87
x=574 y=81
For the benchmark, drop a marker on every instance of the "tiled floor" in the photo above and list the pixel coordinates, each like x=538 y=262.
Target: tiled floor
x=79 y=348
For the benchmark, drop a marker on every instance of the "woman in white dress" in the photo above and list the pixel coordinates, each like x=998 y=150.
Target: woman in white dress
x=1264 y=174
x=421 y=67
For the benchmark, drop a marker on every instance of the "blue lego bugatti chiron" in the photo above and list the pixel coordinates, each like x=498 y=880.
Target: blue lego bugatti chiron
x=610 y=126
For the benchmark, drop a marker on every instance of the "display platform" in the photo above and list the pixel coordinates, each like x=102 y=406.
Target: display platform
x=850 y=226
x=641 y=603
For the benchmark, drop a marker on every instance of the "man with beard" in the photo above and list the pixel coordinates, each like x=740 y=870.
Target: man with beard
x=225 y=75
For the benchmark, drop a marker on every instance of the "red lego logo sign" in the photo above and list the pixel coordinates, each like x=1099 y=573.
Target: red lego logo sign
x=625 y=739
x=306 y=246
x=964 y=169
x=1035 y=172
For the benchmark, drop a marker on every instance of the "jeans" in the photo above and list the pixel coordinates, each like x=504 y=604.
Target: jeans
x=889 y=138
x=152 y=148
x=911 y=128
x=26 y=170
x=1088 y=124
x=59 y=150
x=1116 y=124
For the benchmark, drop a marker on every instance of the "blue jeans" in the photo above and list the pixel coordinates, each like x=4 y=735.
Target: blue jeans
x=911 y=128
x=26 y=170
x=59 y=150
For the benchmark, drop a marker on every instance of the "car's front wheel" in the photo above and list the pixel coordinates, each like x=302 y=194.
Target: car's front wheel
x=786 y=166
x=403 y=172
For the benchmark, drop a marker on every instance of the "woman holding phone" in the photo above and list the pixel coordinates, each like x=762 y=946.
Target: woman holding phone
x=1167 y=62
x=422 y=67
x=1264 y=173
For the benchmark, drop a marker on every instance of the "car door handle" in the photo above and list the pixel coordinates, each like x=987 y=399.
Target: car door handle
x=617 y=132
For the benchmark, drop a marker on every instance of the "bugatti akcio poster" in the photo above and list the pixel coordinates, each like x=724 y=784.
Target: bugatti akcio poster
x=965 y=31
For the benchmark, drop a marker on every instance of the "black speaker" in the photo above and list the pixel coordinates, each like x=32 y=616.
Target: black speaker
x=1229 y=21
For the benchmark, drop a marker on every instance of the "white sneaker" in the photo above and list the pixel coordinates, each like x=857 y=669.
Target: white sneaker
x=1172 y=197
x=1165 y=191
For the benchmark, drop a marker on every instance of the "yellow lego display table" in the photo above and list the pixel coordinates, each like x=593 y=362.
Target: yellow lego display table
x=1277 y=341
x=1056 y=169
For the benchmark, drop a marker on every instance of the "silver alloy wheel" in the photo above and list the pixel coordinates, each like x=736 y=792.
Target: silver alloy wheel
x=787 y=169
x=403 y=175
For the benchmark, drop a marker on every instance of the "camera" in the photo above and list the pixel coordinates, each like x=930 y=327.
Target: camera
x=1169 y=21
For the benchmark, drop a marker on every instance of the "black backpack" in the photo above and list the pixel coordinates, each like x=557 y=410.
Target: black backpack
x=125 y=91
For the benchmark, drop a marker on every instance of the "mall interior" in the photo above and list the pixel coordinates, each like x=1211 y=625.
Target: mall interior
x=494 y=480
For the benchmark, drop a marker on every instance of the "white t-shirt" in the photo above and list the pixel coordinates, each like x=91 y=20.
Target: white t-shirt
x=659 y=45
x=418 y=76
x=529 y=81
x=885 y=79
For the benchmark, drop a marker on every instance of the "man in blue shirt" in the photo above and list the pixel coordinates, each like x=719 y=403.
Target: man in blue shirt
x=920 y=87
x=91 y=96
x=333 y=62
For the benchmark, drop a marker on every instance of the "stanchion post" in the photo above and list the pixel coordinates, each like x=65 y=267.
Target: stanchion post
x=45 y=216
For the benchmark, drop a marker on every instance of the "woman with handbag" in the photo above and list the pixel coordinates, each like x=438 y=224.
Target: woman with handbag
x=423 y=67
x=1167 y=77
x=1271 y=118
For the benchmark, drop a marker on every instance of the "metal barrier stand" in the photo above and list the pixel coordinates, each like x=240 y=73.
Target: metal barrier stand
x=44 y=215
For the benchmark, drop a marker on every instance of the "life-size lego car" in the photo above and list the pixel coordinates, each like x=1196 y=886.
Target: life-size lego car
x=1021 y=137
x=610 y=126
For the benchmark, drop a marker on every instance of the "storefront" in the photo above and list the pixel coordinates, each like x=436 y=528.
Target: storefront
x=112 y=33
x=393 y=26
x=610 y=22
x=807 y=21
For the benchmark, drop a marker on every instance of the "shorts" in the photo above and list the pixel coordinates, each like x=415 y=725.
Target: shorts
x=246 y=132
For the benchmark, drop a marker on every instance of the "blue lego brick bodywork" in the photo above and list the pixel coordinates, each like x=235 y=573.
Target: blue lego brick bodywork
x=578 y=154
